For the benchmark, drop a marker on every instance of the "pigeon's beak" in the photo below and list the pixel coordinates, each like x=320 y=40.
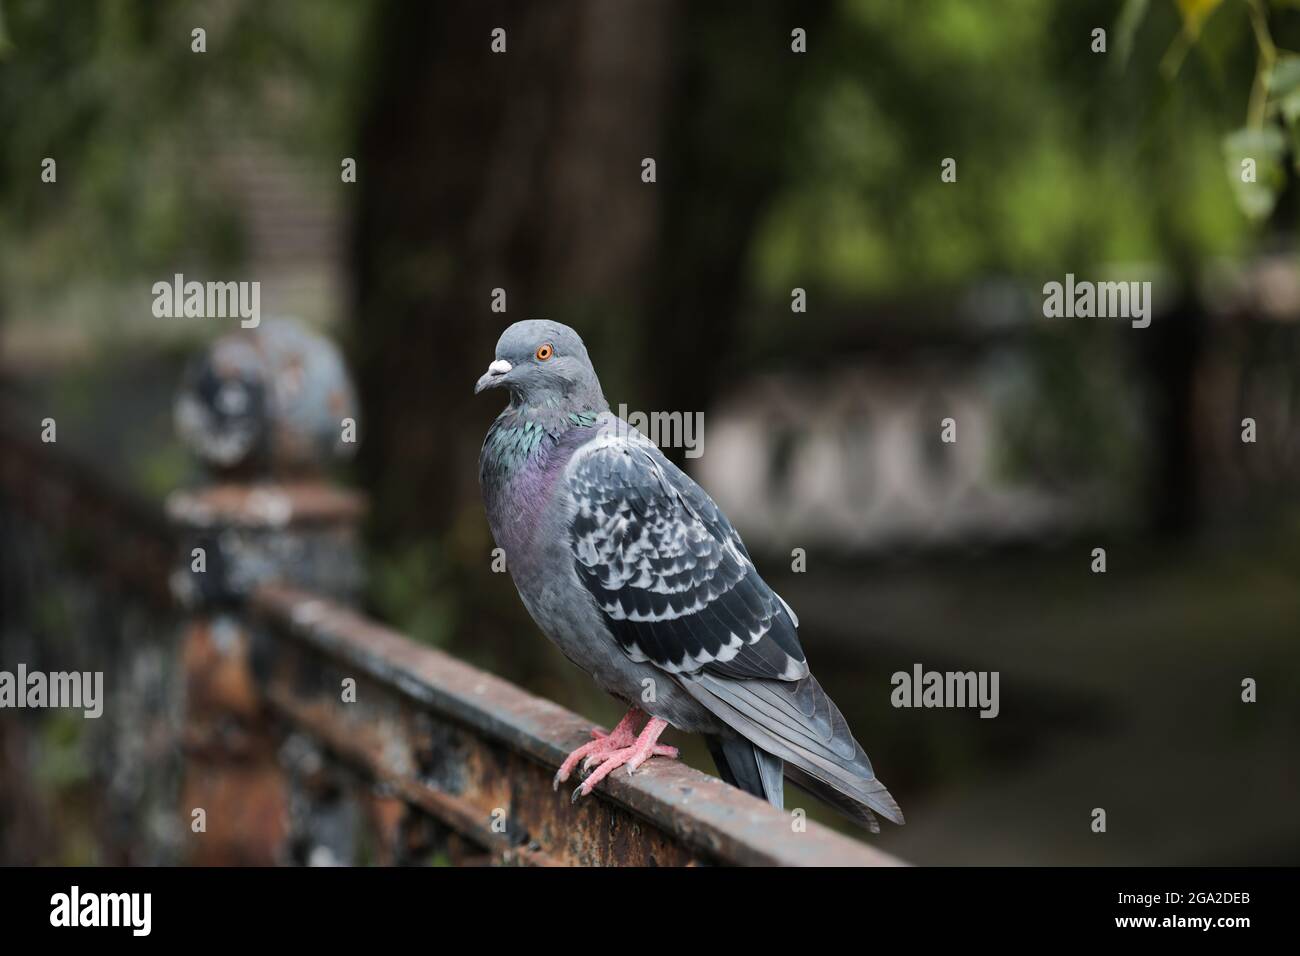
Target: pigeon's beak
x=494 y=376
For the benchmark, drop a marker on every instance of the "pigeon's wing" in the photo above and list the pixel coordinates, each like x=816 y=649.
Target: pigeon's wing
x=668 y=571
x=677 y=588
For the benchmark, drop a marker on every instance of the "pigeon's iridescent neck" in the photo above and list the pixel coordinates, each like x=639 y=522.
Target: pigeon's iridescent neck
x=521 y=460
x=522 y=434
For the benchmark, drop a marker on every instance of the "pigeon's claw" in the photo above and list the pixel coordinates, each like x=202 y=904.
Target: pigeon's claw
x=601 y=746
x=645 y=747
x=641 y=756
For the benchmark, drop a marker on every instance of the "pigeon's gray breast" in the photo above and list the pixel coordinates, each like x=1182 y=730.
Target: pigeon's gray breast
x=532 y=519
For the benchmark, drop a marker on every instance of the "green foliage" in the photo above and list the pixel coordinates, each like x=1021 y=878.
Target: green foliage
x=407 y=587
x=63 y=764
x=1256 y=190
x=1072 y=416
x=1256 y=152
x=137 y=122
x=5 y=45
x=1065 y=157
x=162 y=470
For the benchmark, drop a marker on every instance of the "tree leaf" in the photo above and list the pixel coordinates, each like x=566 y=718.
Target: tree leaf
x=1195 y=13
x=1284 y=77
x=1130 y=18
x=1255 y=189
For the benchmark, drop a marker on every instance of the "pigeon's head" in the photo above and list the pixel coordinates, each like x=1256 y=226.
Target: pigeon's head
x=544 y=363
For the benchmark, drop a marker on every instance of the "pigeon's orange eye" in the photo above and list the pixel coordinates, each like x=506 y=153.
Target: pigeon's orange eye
x=545 y=351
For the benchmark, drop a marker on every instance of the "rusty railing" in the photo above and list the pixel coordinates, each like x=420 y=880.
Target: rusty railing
x=456 y=760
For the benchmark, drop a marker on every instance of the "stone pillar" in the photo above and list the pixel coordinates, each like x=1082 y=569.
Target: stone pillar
x=263 y=410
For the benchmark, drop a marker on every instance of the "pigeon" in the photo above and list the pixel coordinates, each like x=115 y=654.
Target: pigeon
x=629 y=567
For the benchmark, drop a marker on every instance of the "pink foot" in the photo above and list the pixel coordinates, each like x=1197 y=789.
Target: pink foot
x=645 y=747
x=602 y=744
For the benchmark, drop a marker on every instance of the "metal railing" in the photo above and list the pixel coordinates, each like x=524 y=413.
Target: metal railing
x=478 y=754
x=441 y=738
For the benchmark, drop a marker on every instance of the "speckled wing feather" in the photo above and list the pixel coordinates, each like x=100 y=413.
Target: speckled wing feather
x=668 y=571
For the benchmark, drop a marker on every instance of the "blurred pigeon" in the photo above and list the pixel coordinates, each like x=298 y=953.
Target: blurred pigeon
x=637 y=576
x=269 y=399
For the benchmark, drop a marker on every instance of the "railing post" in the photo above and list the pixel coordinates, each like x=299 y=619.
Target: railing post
x=263 y=410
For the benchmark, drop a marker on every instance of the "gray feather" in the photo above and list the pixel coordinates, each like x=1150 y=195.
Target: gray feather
x=743 y=765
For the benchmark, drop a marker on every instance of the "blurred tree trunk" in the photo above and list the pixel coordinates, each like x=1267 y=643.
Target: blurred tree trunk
x=736 y=89
x=1171 y=354
x=481 y=170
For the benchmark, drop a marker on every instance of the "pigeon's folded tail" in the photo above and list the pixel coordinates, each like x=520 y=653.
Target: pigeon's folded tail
x=795 y=723
x=743 y=765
